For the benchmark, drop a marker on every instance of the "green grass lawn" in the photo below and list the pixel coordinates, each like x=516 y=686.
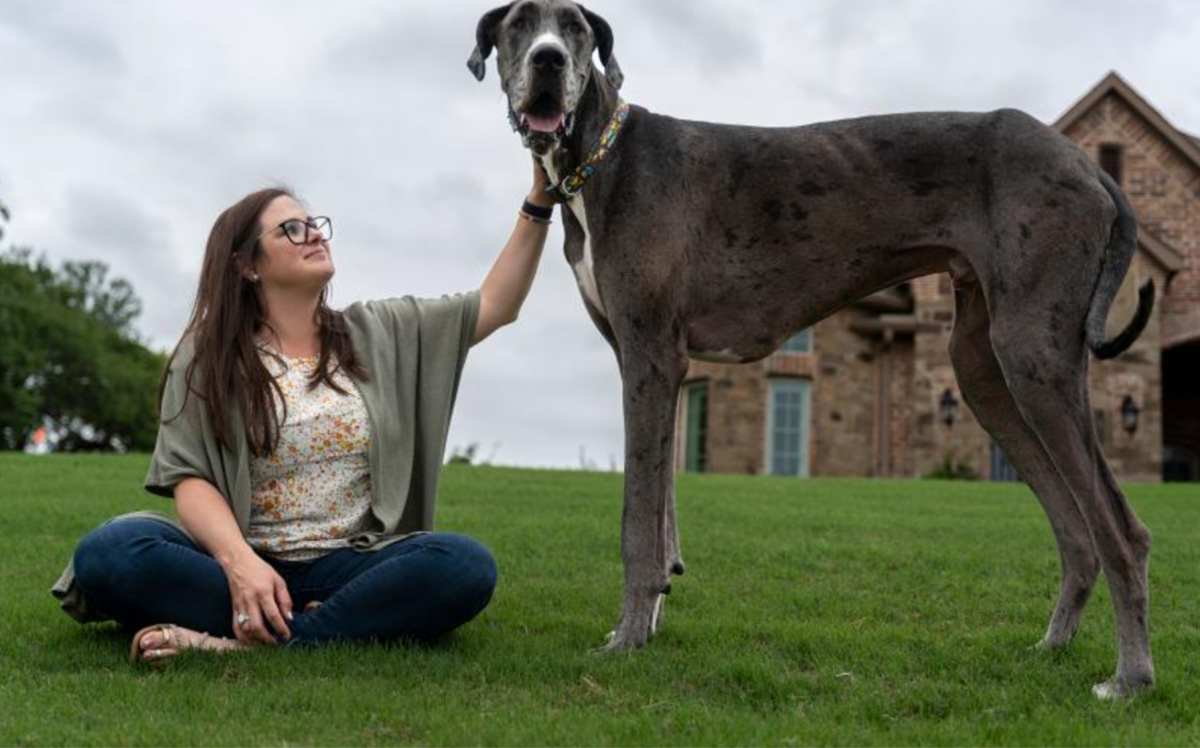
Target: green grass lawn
x=818 y=611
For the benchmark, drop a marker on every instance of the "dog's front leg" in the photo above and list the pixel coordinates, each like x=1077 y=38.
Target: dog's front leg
x=651 y=378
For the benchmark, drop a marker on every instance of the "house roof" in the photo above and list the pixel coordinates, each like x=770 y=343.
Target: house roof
x=1164 y=254
x=1188 y=146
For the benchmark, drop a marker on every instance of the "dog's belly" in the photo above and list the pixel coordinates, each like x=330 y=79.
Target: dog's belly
x=754 y=312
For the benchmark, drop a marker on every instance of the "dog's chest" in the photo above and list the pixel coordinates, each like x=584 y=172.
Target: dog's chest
x=584 y=269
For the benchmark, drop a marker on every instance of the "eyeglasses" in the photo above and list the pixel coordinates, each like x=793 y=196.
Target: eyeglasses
x=297 y=231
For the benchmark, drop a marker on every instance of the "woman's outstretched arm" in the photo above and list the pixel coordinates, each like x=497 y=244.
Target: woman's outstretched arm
x=507 y=284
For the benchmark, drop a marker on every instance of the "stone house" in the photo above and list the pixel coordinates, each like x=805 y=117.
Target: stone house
x=870 y=391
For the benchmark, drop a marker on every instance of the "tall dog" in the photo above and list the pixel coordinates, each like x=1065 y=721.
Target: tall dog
x=718 y=242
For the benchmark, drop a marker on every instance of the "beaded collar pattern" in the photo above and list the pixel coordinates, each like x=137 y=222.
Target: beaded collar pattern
x=573 y=183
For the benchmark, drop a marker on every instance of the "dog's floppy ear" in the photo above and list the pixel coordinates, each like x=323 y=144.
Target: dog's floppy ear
x=604 y=43
x=485 y=39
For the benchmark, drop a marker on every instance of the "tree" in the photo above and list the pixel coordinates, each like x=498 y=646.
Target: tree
x=68 y=351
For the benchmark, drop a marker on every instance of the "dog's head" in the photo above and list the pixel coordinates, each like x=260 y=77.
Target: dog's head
x=544 y=54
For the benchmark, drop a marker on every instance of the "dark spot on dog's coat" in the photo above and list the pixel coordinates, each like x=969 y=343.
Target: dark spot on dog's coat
x=772 y=208
x=924 y=187
x=811 y=188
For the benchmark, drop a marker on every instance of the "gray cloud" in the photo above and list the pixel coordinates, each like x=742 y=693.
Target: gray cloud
x=50 y=29
x=129 y=126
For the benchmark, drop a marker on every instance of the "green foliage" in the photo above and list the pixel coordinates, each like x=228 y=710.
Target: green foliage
x=813 y=612
x=951 y=468
x=464 y=455
x=68 y=351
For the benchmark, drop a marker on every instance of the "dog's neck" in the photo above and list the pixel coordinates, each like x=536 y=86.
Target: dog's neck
x=592 y=116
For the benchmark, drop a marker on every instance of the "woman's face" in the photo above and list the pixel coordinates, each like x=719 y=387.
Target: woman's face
x=284 y=262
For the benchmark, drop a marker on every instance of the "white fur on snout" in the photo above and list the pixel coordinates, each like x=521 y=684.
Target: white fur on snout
x=585 y=274
x=546 y=38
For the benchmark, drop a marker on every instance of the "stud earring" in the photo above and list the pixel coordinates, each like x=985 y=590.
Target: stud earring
x=254 y=277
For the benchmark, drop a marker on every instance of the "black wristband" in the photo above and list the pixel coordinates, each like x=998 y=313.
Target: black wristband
x=537 y=211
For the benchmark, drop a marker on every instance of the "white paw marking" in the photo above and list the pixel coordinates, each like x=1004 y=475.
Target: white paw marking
x=658 y=603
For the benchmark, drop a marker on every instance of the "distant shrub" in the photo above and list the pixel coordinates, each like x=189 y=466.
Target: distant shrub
x=953 y=469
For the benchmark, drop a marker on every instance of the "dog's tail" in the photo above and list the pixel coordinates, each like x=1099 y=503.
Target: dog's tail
x=1122 y=243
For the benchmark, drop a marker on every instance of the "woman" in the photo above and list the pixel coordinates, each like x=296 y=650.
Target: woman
x=305 y=479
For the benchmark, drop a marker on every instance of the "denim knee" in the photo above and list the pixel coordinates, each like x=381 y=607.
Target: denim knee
x=102 y=556
x=476 y=573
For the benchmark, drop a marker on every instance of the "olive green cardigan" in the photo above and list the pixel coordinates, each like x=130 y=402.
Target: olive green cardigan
x=413 y=350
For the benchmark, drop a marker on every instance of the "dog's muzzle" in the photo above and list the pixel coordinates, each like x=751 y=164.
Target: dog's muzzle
x=541 y=130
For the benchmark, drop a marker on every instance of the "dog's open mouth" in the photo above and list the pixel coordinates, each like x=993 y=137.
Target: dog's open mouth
x=543 y=122
x=554 y=124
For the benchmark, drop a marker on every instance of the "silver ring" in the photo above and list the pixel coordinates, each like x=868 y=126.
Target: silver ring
x=157 y=653
x=243 y=619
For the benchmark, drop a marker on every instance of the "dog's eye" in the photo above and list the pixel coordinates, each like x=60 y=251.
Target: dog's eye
x=522 y=23
x=575 y=27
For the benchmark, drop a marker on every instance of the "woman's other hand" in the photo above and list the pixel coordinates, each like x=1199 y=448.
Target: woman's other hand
x=260 y=593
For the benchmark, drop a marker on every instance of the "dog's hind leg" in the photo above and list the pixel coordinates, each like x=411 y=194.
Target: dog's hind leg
x=671 y=531
x=985 y=391
x=1040 y=346
x=651 y=373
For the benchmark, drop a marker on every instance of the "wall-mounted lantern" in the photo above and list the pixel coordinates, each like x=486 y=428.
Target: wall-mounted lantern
x=1129 y=415
x=948 y=407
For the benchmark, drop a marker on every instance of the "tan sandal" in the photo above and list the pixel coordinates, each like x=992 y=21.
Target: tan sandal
x=172 y=637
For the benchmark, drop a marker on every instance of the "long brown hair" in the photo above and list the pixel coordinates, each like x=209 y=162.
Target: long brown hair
x=225 y=316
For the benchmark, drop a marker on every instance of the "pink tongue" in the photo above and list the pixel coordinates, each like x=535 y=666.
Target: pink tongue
x=544 y=124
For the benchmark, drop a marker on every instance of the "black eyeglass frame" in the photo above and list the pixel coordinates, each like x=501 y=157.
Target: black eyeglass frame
x=313 y=223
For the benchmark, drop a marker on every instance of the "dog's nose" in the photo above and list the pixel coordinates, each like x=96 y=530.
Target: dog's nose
x=548 y=57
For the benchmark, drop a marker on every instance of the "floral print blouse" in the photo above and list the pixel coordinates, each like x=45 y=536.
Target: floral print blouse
x=314 y=492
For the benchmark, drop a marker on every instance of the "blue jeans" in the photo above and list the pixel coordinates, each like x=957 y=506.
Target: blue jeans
x=141 y=572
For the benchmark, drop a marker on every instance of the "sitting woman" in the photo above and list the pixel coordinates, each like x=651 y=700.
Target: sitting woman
x=302 y=447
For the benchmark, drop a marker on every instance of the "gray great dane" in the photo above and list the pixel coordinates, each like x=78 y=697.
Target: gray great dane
x=718 y=242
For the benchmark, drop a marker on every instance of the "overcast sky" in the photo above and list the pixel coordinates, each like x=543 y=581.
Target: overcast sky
x=126 y=127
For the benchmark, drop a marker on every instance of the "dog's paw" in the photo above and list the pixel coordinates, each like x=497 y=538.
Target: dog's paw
x=1107 y=691
x=627 y=637
x=1046 y=644
x=614 y=643
x=1117 y=690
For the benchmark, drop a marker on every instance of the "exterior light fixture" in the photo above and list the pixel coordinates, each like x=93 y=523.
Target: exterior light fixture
x=948 y=407
x=1129 y=415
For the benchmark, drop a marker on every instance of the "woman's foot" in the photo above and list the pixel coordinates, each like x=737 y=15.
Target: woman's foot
x=163 y=641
